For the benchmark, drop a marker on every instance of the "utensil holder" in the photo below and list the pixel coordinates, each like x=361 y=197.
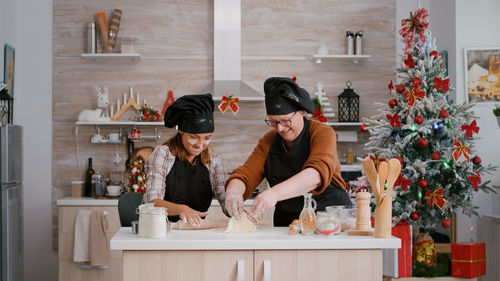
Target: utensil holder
x=383 y=218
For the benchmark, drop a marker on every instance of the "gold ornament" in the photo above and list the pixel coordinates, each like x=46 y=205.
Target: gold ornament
x=424 y=250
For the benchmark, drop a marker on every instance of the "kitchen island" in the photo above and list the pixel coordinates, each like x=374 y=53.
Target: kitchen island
x=268 y=254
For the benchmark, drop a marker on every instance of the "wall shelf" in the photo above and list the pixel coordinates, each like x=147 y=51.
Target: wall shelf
x=111 y=57
x=354 y=58
x=343 y=124
x=351 y=168
x=119 y=123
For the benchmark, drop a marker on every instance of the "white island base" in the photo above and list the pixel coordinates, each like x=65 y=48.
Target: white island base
x=268 y=254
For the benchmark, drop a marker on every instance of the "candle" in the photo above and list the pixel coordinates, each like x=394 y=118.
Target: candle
x=124 y=98
x=131 y=91
x=138 y=98
x=118 y=103
x=112 y=110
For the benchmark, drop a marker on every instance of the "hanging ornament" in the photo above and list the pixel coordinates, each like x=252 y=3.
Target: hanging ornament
x=415 y=93
x=390 y=86
x=414 y=216
x=422 y=183
x=401 y=159
x=475 y=180
x=409 y=62
x=394 y=120
x=444 y=114
x=470 y=128
x=400 y=88
x=435 y=155
x=434 y=54
x=230 y=102
x=423 y=142
x=460 y=149
x=443 y=84
x=403 y=182
x=476 y=160
x=419 y=119
x=435 y=198
x=393 y=103
x=363 y=129
x=446 y=223
x=437 y=127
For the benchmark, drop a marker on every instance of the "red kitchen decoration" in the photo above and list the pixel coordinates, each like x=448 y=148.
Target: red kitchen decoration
x=229 y=102
x=468 y=260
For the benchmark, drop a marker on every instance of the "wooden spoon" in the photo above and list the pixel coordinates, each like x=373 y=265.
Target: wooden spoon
x=382 y=173
x=371 y=176
x=394 y=171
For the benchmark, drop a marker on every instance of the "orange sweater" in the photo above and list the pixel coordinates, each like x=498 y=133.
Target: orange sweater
x=322 y=157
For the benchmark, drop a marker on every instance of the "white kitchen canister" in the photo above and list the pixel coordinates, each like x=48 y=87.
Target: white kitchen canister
x=158 y=223
x=144 y=211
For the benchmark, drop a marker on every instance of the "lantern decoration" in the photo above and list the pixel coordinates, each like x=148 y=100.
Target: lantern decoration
x=348 y=105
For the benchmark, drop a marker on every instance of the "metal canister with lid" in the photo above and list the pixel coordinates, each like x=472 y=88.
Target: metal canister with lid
x=359 y=42
x=350 y=42
x=91 y=38
x=98 y=185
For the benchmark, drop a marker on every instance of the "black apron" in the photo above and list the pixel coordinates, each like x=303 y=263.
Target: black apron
x=282 y=165
x=189 y=185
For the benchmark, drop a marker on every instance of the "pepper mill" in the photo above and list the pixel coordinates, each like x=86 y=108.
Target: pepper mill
x=363 y=224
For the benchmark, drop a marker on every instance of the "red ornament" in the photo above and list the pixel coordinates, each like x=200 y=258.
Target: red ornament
x=446 y=223
x=414 y=216
x=363 y=129
x=476 y=160
x=444 y=114
x=400 y=88
x=393 y=103
x=401 y=159
x=419 y=119
x=435 y=155
x=422 y=183
x=135 y=134
x=434 y=54
x=423 y=142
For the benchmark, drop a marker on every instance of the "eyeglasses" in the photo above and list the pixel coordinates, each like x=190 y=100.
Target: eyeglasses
x=284 y=123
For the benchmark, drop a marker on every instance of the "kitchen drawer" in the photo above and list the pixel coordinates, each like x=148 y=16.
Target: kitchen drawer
x=69 y=271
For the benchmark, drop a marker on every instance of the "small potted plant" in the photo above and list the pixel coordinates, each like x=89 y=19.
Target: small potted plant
x=496 y=111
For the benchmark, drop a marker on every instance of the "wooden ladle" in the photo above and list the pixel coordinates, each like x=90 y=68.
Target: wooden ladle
x=394 y=171
x=382 y=177
x=371 y=176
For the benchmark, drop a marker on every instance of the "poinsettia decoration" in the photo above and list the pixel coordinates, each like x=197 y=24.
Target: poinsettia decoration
x=136 y=176
x=148 y=114
x=318 y=111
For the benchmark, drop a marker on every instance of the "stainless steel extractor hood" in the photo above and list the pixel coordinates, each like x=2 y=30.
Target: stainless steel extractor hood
x=227 y=54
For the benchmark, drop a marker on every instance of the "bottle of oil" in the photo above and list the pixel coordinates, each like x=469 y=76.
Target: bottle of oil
x=88 y=179
x=307 y=217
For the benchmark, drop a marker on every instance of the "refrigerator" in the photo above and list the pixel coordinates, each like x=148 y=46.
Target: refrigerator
x=11 y=184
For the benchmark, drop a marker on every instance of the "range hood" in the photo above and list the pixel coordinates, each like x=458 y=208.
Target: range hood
x=227 y=54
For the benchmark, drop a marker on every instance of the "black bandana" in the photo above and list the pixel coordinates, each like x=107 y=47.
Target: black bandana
x=283 y=96
x=193 y=114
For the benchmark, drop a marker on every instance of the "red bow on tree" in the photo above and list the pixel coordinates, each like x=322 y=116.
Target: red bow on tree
x=319 y=115
x=414 y=93
x=435 y=197
x=403 y=182
x=390 y=86
x=444 y=84
x=470 y=128
x=460 y=149
x=475 y=180
x=376 y=160
x=394 y=120
x=409 y=62
x=414 y=24
x=229 y=102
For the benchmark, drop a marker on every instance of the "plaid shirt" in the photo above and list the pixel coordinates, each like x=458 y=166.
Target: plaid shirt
x=161 y=161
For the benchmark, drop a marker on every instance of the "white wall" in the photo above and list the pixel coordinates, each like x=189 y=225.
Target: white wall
x=33 y=93
x=476 y=26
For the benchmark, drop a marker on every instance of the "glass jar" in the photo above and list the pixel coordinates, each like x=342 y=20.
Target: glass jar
x=144 y=212
x=345 y=214
x=307 y=216
x=327 y=223
x=159 y=221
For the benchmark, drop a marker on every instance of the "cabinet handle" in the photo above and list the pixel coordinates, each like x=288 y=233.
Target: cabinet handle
x=267 y=270
x=88 y=266
x=241 y=270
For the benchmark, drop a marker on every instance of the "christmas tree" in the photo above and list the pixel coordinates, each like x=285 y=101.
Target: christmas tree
x=431 y=136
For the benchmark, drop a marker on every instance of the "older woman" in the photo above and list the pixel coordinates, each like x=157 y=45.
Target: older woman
x=296 y=156
x=183 y=174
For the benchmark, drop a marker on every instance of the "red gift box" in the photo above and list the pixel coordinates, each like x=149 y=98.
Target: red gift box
x=402 y=231
x=468 y=260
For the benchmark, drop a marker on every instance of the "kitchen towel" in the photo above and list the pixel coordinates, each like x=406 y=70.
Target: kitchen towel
x=82 y=231
x=99 y=241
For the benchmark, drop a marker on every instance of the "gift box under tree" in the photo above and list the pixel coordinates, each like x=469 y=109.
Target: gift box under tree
x=468 y=259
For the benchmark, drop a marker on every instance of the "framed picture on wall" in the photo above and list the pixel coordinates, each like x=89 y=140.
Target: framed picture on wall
x=8 y=68
x=482 y=74
x=444 y=62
